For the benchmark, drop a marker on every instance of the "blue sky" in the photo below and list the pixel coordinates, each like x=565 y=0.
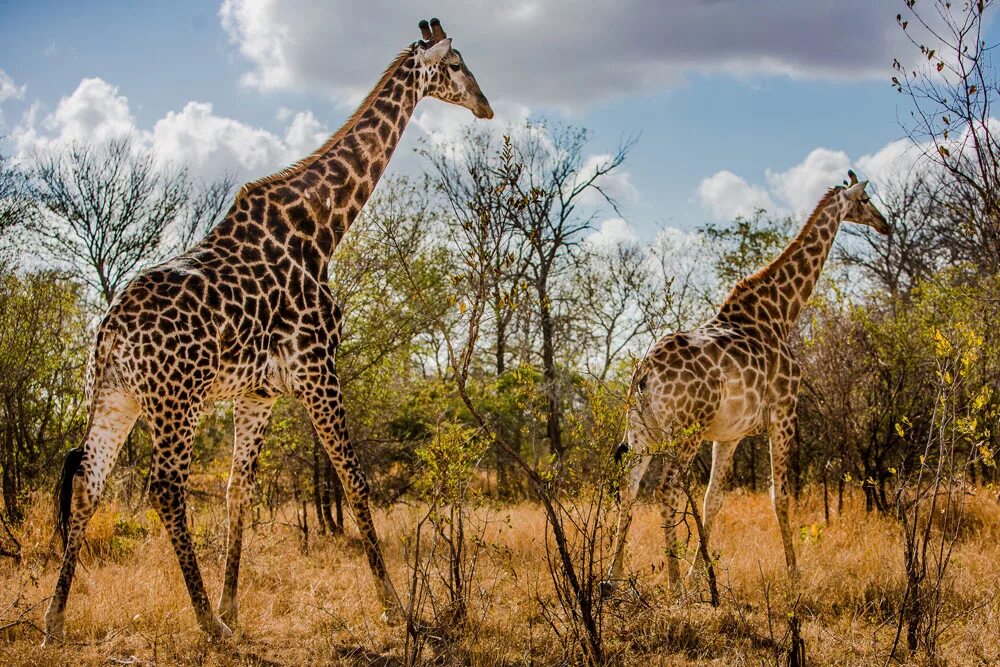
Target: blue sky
x=730 y=99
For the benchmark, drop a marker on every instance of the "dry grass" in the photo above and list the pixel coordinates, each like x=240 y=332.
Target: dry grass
x=129 y=605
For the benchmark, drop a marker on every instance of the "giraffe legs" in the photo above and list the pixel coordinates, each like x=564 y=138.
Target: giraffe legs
x=674 y=503
x=722 y=463
x=326 y=410
x=172 y=440
x=114 y=416
x=250 y=416
x=781 y=431
x=626 y=499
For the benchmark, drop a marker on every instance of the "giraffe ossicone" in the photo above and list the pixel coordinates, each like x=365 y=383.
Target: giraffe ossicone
x=247 y=314
x=728 y=378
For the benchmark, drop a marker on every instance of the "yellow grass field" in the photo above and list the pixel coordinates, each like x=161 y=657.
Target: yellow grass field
x=129 y=605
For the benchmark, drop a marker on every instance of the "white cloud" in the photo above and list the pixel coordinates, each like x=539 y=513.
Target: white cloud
x=9 y=91
x=613 y=232
x=563 y=53
x=796 y=190
x=305 y=134
x=95 y=112
x=803 y=185
x=726 y=196
x=194 y=137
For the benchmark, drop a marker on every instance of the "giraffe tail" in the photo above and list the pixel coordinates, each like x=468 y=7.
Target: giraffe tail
x=64 y=490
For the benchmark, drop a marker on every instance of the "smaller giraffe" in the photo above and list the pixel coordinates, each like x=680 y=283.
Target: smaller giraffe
x=730 y=377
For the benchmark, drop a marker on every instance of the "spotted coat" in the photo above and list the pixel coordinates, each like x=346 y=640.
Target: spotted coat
x=730 y=377
x=247 y=314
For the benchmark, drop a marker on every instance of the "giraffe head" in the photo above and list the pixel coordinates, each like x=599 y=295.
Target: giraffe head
x=858 y=206
x=443 y=72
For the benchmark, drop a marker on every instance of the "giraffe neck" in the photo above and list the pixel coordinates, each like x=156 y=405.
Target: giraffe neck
x=311 y=204
x=778 y=292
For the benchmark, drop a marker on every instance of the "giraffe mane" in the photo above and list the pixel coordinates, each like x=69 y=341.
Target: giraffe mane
x=307 y=161
x=747 y=283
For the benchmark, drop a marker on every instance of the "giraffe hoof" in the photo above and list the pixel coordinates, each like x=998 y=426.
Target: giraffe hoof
x=392 y=616
x=55 y=634
x=216 y=629
x=229 y=613
x=53 y=637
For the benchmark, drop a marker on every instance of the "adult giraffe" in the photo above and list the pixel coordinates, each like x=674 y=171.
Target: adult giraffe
x=731 y=377
x=247 y=315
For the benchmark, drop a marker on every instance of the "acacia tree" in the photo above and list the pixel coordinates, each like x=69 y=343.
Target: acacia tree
x=108 y=210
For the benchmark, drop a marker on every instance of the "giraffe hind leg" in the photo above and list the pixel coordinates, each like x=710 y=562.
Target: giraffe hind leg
x=114 y=416
x=324 y=403
x=172 y=442
x=722 y=464
x=250 y=418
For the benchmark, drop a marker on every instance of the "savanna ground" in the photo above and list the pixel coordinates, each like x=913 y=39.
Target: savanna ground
x=318 y=606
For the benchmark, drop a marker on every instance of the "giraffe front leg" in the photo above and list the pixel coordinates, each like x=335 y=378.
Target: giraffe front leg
x=324 y=402
x=250 y=417
x=781 y=432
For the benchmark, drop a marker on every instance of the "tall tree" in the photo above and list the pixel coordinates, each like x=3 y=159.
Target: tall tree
x=619 y=302
x=108 y=210
x=550 y=183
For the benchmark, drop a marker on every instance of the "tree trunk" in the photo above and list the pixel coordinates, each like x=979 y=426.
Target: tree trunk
x=553 y=428
x=318 y=487
x=333 y=484
x=9 y=483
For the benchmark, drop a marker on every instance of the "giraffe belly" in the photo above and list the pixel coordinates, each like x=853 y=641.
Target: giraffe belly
x=739 y=412
x=254 y=377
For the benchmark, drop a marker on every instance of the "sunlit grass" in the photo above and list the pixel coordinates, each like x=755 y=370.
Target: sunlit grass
x=318 y=605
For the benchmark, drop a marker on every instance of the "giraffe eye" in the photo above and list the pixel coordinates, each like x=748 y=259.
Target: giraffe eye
x=454 y=67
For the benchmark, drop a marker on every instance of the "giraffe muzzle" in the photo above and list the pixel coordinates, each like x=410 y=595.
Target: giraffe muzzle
x=483 y=109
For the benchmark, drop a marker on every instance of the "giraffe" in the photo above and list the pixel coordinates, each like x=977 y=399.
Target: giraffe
x=730 y=377
x=247 y=314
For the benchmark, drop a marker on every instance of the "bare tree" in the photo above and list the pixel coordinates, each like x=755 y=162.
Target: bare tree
x=952 y=94
x=618 y=301
x=917 y=245
x=16 y=202
x=107 y=210
x=472 y=177
x=550 y=183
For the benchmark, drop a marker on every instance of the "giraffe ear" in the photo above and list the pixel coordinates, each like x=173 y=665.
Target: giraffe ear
x=436 y=53
x=855 y=191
